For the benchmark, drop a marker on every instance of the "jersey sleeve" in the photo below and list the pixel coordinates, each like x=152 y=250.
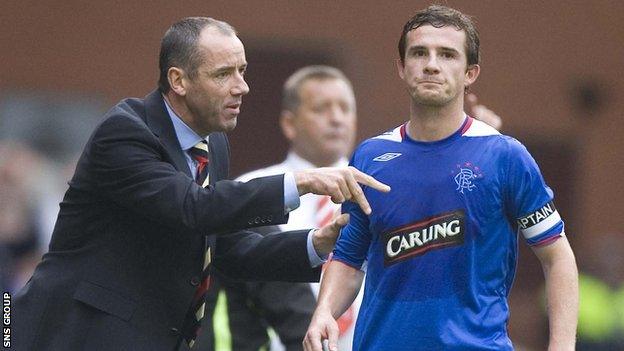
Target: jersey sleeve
x=354 y=240
x=529 y=199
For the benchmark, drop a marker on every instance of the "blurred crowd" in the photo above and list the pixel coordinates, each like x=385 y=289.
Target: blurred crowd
x=30 y=191
x=41 y=135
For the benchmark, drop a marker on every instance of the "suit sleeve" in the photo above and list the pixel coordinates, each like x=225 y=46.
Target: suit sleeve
x=278 y=256
x=125 y=162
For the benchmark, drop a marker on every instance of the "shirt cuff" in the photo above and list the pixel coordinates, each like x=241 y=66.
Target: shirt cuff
x=291 y=194
x=313 y=256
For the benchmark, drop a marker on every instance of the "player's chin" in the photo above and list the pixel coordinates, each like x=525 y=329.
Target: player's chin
x=430 y=99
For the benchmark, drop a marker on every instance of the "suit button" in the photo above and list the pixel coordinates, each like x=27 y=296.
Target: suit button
x=195 y=281
x=174 y=331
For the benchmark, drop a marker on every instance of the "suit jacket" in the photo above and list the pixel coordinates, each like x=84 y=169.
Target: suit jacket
x=128 y=245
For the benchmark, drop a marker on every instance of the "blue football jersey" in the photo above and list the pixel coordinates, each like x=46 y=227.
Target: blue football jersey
x=440 y=249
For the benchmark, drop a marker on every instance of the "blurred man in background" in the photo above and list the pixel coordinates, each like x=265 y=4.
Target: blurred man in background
x=319 y=121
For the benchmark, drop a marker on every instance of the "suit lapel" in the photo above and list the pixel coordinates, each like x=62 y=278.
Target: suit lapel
x=219 y=161
x=160 y=123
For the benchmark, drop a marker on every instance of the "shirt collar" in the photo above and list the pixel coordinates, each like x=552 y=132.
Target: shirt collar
x=297 y=163
x=186 y=136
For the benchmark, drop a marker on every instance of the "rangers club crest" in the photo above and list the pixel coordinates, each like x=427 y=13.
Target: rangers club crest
x=465 y=176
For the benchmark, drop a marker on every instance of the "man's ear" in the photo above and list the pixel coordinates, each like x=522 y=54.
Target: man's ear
x=287 y=122
x=177 y=80
x=471 y=74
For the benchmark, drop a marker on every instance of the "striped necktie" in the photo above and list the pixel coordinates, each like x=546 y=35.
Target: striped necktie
x=324 y=214
x=199 y=153
x=192 y=324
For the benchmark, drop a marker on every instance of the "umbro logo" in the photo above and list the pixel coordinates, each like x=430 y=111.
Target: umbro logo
x=387 y=156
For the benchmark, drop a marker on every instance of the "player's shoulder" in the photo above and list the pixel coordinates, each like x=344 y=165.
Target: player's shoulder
x=495 y=139
x=388 y=138
x=475 y=128
x=392 y=135
x=385 y=146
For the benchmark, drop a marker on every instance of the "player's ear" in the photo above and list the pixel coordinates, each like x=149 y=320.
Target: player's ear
x=471 y=74
x=287 y=122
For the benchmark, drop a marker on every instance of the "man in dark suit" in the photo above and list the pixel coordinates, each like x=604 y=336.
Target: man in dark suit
x=136 y=233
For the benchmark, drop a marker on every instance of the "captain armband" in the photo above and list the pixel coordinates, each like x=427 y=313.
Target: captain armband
x=539 y=221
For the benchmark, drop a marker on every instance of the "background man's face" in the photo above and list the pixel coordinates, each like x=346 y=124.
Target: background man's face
x=323 y=126
x=214 y=95
x=435 y=65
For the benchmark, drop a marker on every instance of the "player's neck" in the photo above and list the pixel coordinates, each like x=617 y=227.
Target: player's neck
x=432 y=123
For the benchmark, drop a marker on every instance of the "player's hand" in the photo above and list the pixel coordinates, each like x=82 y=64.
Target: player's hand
x=341 y=184
x=322 y=327
x=324 y=238
x=482 y=113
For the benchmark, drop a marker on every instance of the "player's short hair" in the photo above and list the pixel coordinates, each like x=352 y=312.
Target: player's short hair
x=179 y=47
x=290 y=93
x=441 y=16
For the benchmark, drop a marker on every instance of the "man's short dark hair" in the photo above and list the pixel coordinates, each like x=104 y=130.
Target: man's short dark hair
x=179 y=46
x=441 y=16
x=291 y=98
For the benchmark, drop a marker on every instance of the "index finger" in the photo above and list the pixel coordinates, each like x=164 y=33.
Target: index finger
x=359 y=198
x=368 y=180
x=357 y=193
